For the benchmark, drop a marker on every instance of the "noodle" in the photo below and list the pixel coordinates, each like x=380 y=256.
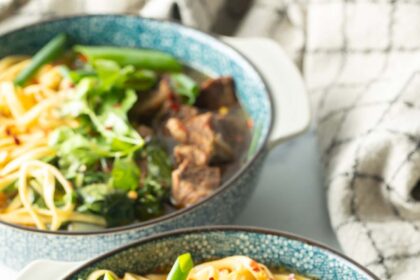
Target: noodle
x=229 y=268
x=28 y=116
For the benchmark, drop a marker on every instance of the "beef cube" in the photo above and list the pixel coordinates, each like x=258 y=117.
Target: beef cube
x=191 y=153
x=192 y=183
x=216 y=93
x=199 y=131
x=177 y=130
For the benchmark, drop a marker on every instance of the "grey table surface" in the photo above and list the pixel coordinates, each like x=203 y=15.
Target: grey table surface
x=289 y=197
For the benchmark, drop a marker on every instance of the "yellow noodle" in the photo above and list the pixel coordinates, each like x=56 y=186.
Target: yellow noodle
x=7 y=90
x=11 y=72
x=24 y=193
x=7 y=62
x=27 y=116
x=229 y=268
x=37 y=153
x=8 y=179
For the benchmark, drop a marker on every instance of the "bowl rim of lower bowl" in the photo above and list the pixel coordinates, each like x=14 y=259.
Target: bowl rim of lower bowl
x=224 y=228
x=224 y=187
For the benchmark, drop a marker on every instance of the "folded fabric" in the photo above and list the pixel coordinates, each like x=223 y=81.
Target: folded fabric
x=360 y=60
x=200 y=14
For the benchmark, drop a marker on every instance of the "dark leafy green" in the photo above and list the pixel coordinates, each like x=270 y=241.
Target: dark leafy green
x=150 y=199
x=118 y=209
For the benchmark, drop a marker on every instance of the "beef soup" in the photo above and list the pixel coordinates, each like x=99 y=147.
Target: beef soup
x=101 y=136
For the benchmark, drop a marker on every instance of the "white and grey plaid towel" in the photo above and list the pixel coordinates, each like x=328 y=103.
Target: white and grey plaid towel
x=361 y=62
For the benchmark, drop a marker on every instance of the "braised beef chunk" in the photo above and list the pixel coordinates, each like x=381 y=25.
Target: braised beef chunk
x=200 y=131
x=192 y=183
x=177 y=130
x=182 y=112
x=152 y=101
x=191 y=153
x=216 y=93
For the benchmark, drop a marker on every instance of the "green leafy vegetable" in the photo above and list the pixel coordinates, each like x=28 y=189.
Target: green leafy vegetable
x=185 y=87
x=49 y=52
x=118 y=209
x=113 y=205
x=159 y=165
x=182 y=266
x=139 y=58
x=155 y=189
x=76 y=151
x=111 y=123
x=125 y=174
x=93 y=197
x=150 y=199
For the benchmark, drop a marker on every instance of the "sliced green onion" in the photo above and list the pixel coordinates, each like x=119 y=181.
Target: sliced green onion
x=49 y=52
x=108 y=276
x=182 y=266
x=139 y=58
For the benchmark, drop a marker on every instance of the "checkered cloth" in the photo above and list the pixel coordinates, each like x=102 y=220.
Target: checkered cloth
x=360 y=60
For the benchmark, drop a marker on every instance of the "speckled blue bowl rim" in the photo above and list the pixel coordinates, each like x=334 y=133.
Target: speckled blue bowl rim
x=225 y=186
x=225 y=228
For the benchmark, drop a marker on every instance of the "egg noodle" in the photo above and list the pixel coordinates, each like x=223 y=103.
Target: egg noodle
x=28 y=116
x=229 y=268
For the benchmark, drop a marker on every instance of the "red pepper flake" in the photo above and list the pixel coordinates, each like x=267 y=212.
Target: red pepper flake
x=117 y=105
x=8 y=132
x=249 y=123
x=82 y=58
x=211 y=278
x=16 y=139
x=173 y=103
x=108 y=127
x=255 y=267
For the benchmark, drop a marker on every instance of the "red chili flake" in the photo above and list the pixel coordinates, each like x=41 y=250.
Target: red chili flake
x=117 y=105
x=108 y=127
x=175 y=106
x=82 y=58
x=255 y=267
x=8 y=132
x=211 y=278
x=249 y=123
x=173 y=102
x=16 y=139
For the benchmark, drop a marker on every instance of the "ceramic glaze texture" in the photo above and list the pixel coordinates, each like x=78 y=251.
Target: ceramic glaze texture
x=203 y=52
x=270 y=249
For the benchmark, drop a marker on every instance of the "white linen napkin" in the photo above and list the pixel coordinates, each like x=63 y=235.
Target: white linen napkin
x=360 y=60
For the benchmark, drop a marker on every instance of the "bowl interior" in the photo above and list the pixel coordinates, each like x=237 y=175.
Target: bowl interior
x=198 y=50
x=272 y=249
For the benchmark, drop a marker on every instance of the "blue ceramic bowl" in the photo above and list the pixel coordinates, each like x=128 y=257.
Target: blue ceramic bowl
x=272 y=248
x=20 y=245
